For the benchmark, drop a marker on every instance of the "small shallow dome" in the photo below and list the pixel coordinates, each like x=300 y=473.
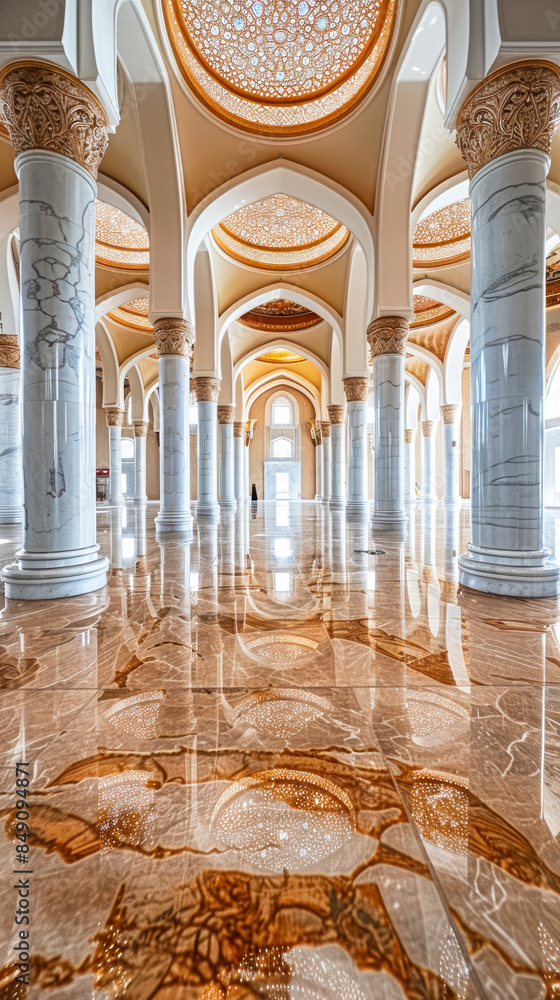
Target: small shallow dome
x=120 y=241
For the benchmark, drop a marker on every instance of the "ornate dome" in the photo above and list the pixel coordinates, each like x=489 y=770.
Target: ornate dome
x=280 y=314
x=444 y=237
x=284 y=67
x=134 y=314
x=119 y=240
x=280 y=356
x=428 y=311
x=280 y=233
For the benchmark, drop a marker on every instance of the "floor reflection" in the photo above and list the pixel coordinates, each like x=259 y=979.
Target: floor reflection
x=287 y=760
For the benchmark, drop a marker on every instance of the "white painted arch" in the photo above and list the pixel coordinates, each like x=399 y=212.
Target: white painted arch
x=448 y=294
x=282 y=379
x=293 y=346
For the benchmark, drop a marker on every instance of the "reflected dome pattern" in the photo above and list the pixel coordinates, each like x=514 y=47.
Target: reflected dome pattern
x=282 y=713
x=281 y=819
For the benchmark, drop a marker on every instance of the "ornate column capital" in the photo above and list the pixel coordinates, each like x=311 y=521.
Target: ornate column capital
x=173 y=337
x=326 y=428
x=140 y=428
x=356 y=389
x=207 y=389
x=336 y=414
x=429 y=428
x=9 y=351
x=226 y=414
x=46 y=108
x=516 y=107
x=388 y=335
x=409 y=435
x=239 y=428
x=450 y=412
x=114 y=416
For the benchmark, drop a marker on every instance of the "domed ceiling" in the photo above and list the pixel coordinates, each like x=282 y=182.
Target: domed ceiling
x=280 y=315
x=427 y=311
x=119 y=240
x=444 y=236
x=280 y=356
x=134 y=314
x=280 y=67
x=280 y=233
x=553 y=278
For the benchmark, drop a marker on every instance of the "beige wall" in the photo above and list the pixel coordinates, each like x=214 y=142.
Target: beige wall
x=307 y=448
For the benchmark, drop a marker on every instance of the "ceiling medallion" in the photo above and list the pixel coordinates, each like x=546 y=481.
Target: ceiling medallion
x=119 y=240
x=134 y=314
x=279 y=314
x=280 y=233
x=428 y=311
x=280 y=67
x=553 y=278
x=280 y=356
x=444 y=237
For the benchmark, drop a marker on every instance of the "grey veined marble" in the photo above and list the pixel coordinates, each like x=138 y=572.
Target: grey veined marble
x=388 y=391
x=174 y=457
x=207 y=508
x=11 y=482
x=357 y=499
x=507 y=554
x=59 y=557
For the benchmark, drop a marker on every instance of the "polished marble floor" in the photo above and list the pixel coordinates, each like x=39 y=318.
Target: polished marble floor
x=288 y=761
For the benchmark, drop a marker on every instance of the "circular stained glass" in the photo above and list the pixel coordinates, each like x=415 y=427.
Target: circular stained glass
x=279 y=66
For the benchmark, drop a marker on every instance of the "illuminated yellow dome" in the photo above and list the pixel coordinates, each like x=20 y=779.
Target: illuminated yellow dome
x=282 y=67
x=119 y=240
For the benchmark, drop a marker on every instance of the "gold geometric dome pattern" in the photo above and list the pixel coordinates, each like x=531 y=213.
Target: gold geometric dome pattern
x=280 y=356
x=427 y=311
x=444 y=237
x=280 y=233
x=134 y=314
x=280 y=66
x=119 y=240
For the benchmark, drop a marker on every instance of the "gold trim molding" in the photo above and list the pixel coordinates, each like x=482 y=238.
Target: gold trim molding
x=356 y=389
x=47 y=108
x=226 y=414
x=173 y=337
x=388 y=335
x=9 y=351
x=207 y=389
x=337 y=413
x=516 y=107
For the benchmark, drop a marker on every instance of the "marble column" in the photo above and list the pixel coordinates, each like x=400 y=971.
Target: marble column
x=504 y=131
x=11 y=478
x=337 y=416
x=226 y=415
x=357 y=390
x=318 y=461
x=387 y=338
x=429 y=428
x=239 y=461
x=451 y=416
x=326 y=436
x=410 y=465
x=56 y=168
x=114 y=418
x=207 y=391
x=140 y=435
x=174 y=339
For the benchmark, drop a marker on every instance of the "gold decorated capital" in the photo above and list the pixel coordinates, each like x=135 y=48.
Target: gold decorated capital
x=326 y=428
x=207 y=389
x=356 y=389
x=517 y=107
x=239 y=428
x=409 y=435
x=140 y=428
x=429 y=428
x=226 y=414
x=173 y=337
x=336 y=414
x=450 y=412
x=44 y=107
x=9 y=351
x=114 y=416
x=388 y=335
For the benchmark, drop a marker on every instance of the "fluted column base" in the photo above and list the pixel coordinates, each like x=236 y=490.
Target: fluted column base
x=227 y=504
x=510 y=573
x=175 y=522
x=387 y=520
x=45 y=576
x=357 y=510
x=12 y=514
x=208 y=512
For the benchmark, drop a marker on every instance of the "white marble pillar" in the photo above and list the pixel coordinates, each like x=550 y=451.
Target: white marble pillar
x=318 y=462
x=429 y=428
x=387 y=339
x=357 y=390
x=508 y=193
x=451 y=416
x=114 y=418
x=207 y=391
x=174 y=339
x=140 y=435
x=326 y=446
x=239 y=461
x=57 y=191
x=410 y=465
x=11 y=477
x=226 y=415
x=337 y=415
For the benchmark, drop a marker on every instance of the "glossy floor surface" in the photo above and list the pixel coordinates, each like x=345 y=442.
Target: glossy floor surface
x=288 y=761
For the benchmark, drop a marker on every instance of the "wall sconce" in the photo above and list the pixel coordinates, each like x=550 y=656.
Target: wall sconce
x=316 y=432
x=249 y=431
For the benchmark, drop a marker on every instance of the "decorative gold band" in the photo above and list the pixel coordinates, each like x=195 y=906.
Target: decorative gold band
x=207 y=389
x=388 y=335
x=114 y=416
x=326 y=428
x=356 y=389
x=239 y=428
x=226 y=414
x=9 y=351
x=336 y=414
x=173 y=336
